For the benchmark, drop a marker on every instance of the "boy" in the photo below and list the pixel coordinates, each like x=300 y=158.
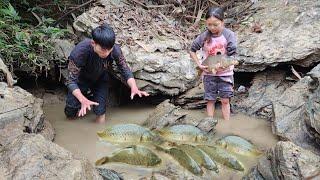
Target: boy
x=88 y=64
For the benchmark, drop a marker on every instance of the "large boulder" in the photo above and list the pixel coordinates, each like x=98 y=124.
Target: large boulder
x=31 y=156
x=286 y=161
x=20 y=112
x=289 y=112
x=167 y=72
x=159 y=63
x=312 y=113
x=265 y=88
x=289 y=35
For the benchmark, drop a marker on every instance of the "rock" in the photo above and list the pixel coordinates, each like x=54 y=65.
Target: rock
x=287 y=161
x=288 y=114
x=47 y=131
x=289 y=35
x=295 y=112
x=108 y=174
x=165 y=114
x=192 y=99
x=30 y=156
x=20 y=112
x=258 y=101
x=63 y=48
x=168 y=72
x=87 y=21
x=56 y=97
x=241 y=89
x=312 y=112
x=159 y=63
x=207 y=124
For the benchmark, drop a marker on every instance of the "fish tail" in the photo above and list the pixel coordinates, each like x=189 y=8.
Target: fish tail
x=257 y=152
x=102 y=161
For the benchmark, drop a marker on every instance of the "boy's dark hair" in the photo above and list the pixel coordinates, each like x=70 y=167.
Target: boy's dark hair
x=216 y=12
x=104 y=36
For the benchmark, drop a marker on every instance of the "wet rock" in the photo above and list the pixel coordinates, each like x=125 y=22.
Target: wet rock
x=288 y=114
x=312 y=113
x=192 y=99
x=47 y=131
x=287 y=161
x=294 y=118
x=262 y=171
x=20 y=112
x=266 y=88
x=165 y=114
x=57 y=96
x=108 y=174
x=289 y=35
x=31 y=156
x=207 y=124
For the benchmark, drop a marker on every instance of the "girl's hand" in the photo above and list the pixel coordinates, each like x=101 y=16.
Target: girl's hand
x=203 y=68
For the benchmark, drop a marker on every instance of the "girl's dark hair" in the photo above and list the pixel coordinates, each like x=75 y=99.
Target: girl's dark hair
x=104 y=36
x=216 y=12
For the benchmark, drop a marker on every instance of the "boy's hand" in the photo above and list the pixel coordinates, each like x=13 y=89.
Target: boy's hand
x=136 y=91
x=86 y=104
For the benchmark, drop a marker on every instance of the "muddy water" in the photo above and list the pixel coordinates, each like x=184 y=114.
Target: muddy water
x=79 y=136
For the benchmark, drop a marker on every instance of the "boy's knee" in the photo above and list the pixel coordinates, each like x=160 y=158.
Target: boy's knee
x=225 y=101
x=71 y=112
x=99 y=110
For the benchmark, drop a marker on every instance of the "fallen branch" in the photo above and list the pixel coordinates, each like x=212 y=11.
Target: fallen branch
x=4 y=69
x=71 y=11
x=295 y=73
x=152 y=6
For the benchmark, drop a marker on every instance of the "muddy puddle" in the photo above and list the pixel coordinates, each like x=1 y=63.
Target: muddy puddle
x=79 y=136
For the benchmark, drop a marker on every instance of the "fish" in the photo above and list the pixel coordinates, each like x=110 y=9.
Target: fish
x=199 y=156
x=238 y=145
x=222 y=157
x=183 y=133
x=134 y=155
x=183 y=159
x=127 y=133
x=219 y=61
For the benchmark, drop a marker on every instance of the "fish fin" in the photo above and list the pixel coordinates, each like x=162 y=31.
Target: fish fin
x=159 y=148
x=102 y=161
x=101 y=134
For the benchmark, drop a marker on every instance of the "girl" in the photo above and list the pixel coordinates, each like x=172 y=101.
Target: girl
x=216 y=40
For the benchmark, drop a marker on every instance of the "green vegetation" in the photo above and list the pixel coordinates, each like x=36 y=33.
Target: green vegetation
x=25 y=46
